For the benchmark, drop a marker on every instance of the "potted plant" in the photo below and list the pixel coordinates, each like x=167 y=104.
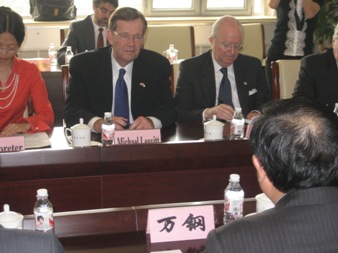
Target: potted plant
x=326 y=22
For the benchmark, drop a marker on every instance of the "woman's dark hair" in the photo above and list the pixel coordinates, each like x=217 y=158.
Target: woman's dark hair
x=12 y=23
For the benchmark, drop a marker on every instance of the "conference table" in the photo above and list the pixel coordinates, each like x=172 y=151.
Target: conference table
x=100 y=193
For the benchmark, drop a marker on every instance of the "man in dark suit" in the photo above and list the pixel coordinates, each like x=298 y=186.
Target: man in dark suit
x=94 y=78
x=198 y=86
x=318 y=76
x=295 y=149
x=83 y=35
x=20 y=241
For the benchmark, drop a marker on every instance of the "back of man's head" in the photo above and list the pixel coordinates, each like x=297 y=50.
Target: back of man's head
x=296 y=141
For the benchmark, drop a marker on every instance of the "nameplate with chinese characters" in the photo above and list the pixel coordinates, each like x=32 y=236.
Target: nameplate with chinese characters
x=12 y=144
x=137 y=136
x=180 y=224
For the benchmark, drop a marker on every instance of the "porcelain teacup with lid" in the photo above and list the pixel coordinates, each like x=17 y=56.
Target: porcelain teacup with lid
x=79 y=134
x=213 y=130
x=10 y=219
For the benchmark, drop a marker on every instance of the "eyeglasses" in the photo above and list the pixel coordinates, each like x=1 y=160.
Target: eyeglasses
x=227 y=45
x=6 y=50
x=127 y=36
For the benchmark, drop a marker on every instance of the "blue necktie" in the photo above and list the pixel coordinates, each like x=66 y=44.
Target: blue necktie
x=121 y=107
x=224 y=95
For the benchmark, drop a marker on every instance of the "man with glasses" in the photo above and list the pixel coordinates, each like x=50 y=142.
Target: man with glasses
x=221 y=79
x=125 y=79
x=89 y=33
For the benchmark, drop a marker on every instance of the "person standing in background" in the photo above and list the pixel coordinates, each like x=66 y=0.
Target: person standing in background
x=84 y=35
x=20 y=82
x=293 y=35
x=318 y=76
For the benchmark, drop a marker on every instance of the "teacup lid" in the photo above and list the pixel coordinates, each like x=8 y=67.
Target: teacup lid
x=81 y=126
x=214 y=122
x=8 y=216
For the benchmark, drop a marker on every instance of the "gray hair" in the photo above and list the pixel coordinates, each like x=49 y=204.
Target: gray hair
x=225 y=19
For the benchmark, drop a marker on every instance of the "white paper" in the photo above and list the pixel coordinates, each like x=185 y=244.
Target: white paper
x=36 y=140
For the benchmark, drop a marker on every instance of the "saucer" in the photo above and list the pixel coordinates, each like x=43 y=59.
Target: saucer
x=95 y=143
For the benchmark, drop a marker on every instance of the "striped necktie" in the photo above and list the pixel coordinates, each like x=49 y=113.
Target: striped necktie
x=224 y=94
x=100 y=38
x=121 y=106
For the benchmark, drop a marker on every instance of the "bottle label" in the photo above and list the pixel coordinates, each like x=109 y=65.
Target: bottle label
x=44 y=221
x=234 y=206
x=108 y=133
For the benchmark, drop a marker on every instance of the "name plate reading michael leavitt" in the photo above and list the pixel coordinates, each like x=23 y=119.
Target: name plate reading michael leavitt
x=137 y=136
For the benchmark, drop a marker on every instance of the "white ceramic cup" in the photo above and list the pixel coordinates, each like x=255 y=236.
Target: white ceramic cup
x=78 y=135
x=213 y=130
x=263 y=203
x=9 y=219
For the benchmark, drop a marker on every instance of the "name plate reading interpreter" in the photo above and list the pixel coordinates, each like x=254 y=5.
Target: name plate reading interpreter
x=180 y=224
x=137 y=136
x=12 y=144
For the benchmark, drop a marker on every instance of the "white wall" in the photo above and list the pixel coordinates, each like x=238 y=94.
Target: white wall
x=38 y=38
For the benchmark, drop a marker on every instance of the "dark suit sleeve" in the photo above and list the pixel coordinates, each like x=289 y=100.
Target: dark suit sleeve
x=154 y=97
x=305 y=85
x=213 y=244
x=185 y=95
x=70 y=40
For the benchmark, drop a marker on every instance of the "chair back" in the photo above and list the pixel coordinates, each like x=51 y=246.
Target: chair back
x=284 y=77
x=63 y=34
x=254 y=40
x=158 y=39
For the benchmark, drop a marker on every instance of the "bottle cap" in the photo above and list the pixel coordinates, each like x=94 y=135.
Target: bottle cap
x=107 y=114
x=42 y=193
x=234 y=178
x=238 y=109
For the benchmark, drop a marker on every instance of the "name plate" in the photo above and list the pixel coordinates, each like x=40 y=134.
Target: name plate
x=180 y=224
x=12 y=144
x=137 y=136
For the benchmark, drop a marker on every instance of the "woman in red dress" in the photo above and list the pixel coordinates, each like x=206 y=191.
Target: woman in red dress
x=19 y=82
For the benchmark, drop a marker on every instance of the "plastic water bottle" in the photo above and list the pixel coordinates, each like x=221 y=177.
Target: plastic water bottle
x=52 y=54
x=237 y=125
x=43 y=212
x=336 y=109
x=172 y=53
x=108 y=130
x=233 y=200
x=69 y=54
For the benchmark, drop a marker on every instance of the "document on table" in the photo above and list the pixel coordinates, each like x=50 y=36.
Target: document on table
x=36 y=140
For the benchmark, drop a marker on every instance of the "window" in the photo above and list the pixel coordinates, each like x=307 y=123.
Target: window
x=157 y=8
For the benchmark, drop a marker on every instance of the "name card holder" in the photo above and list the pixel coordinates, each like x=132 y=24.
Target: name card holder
x=180 y=224
x=137 y=136
x=12 y=144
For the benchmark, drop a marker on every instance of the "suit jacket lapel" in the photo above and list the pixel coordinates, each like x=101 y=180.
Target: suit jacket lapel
x=105 y=77
x=208 y=79
x=240 y=82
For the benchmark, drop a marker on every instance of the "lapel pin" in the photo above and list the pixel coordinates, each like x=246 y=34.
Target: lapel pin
x=245 y=83
x=142 y=85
